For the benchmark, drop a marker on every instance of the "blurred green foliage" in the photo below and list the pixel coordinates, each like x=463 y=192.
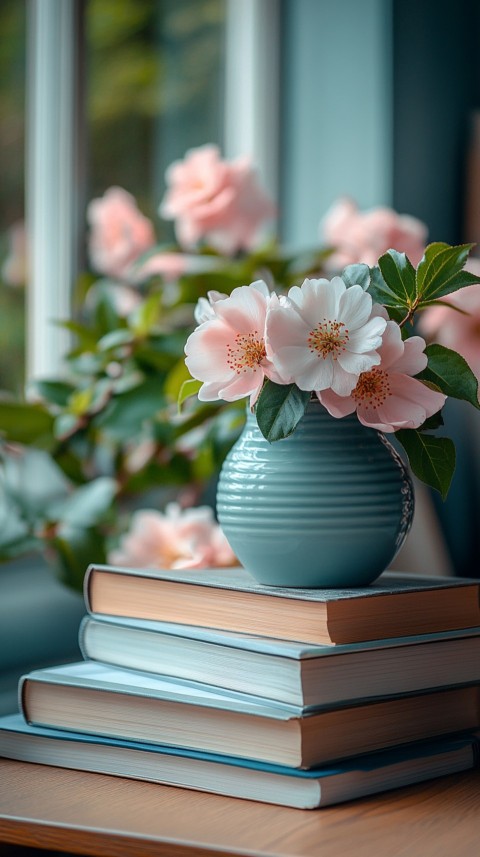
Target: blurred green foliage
x=83 y=451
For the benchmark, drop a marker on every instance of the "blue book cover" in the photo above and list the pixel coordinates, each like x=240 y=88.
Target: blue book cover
x=221 y=774
x=99 y=699
x=282 y=670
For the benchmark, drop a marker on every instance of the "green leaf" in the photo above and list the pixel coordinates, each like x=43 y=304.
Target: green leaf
x=24 y=423
x=80 y=401
x=106 y=317
x=451 y=374
x=188 y=388
x=433 y=422
x=431 y=458
x=145 y=317
x=279 y=409
x=114 y=338
x=440 y=272
x=13 y=526
x=175 y=379
x=57 y=392
x=75 y=548
x=380 y=292
x=87 y=505
x=66 y=425
x=357 y=274
x=125 y=415
x=86 y=337
x=399 y=275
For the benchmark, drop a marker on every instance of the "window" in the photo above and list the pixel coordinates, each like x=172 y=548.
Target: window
x=154 y=73
x=117 y=89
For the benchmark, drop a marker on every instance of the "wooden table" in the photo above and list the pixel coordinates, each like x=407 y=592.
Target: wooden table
x=93 y=814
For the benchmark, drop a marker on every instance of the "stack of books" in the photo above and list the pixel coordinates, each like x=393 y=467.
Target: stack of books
x=305 y=698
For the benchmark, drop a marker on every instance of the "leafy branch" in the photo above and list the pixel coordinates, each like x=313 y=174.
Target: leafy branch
x=403 y=290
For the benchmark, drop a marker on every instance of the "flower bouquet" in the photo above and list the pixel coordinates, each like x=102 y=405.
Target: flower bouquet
x=350 y=342
x=333 y=507
x=89 y=459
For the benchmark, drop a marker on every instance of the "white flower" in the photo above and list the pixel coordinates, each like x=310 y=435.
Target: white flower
x=325 y=336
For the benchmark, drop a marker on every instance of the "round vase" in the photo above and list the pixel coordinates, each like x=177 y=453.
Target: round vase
x=329 y=506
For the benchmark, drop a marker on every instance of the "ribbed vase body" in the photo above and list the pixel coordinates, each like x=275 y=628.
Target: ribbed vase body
x=329 y=506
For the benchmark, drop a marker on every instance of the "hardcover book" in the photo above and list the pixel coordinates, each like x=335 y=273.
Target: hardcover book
x=281 y=670
x=230 y=600
x=227 y=775
x=94 y=698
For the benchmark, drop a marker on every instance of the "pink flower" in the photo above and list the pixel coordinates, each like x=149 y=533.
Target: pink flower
x=119 y=233
x=176 y=539
x=14 y=269
x=386 y=397
x=324 y=335
x=457 y=330
x=365 y=236
x=170 y=266
x=227 y=352
x=124 y=298
x=215 y=200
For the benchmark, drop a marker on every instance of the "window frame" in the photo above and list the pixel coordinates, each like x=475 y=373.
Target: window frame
x=55 y=182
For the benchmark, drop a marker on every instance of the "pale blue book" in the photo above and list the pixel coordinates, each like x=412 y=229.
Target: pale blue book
x=102 y=700
x=226 y=775
x=282 y=670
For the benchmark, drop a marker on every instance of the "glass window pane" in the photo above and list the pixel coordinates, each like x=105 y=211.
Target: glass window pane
x=154 y=89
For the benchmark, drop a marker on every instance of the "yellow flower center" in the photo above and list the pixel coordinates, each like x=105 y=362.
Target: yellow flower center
x=247 y=351
x=372 y=388
x=329 y=338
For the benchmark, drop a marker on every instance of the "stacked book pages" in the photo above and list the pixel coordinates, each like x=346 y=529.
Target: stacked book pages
x=305 y=698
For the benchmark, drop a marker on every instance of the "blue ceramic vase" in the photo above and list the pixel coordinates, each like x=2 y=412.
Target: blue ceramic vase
x=329 y=506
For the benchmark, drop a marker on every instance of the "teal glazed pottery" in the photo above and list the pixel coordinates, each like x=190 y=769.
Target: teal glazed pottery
x=329 y=506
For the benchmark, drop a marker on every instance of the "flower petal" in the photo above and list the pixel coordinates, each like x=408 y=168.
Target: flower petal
x=243 y=385
x=244 y=311
x=337 y=406
x=368 y=337
x=206 y=351
x=412 y=392
x=210 y=391
x=355 y=307
x=393 y=347
x=343 y=382
x=413 y=360
x=358 y=363
x=317 y=375
x=317 y=300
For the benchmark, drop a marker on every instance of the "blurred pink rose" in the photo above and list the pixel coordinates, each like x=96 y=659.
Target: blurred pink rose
x=364 y=236
x=171 y=265
x=14 y=269
x=216 y=200
x=119 y=233
x=459 y=331
x=188 y=538
x=124 y=298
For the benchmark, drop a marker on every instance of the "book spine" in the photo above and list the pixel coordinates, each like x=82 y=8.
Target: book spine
x=86 y=587
x=22 y=682
x=82 y=637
